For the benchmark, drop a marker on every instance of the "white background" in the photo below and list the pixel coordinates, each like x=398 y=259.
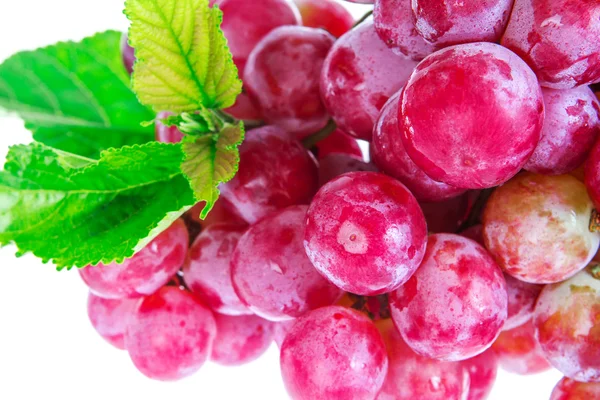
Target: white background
x=48 y=349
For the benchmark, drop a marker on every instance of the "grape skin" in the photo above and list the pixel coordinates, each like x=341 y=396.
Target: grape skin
x=271 y=273
x=389 y=154
x=482 y=370
x=338 y=143
x=568 y=389
x=170 y=335
x=240 y=339
x=325 y=14
x=282 y=76
x=558 y=39
x=281 y=329
x=445 y=23
x=359 y=75
x=519 y=352
x=127 y=54
x=395 y=25
x=207 y=271
x=571 y=127
x=446 y=216
x=275 y=172
x=455 y=305
x=567 y=324
x=110 y=317
x=365 y=233
x=145 y=272
x=222 y=212
x=521 y=301
x=164 y=133
x=334 y=165
x=411 y=376
x=333 y=353
x=493 y=114
x=592 y=174
x=536 y=227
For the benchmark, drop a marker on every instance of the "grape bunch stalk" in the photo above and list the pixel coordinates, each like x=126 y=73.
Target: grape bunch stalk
x=403 y=203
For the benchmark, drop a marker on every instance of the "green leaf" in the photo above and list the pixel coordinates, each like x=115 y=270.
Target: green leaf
x=211 y=160
x=77 y=211
x=76 y=96
x=183 y=62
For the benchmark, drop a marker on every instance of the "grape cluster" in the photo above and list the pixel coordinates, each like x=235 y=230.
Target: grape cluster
x=468 y=242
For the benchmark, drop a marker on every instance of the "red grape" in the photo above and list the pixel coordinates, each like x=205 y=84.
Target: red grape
x=592 y=174
x=567 y=321
x=110 y=317
x=492 y=110
x=359 y=75
x=127 y=53
x=275 y=172
x=571 y=127
x=281 y=329
x=395 y=25
x=451 y=22
x=325 y=14
x=333 y=353
x=482 y=371
x=338 y=143
x=240 y=339
x=411 y=376
x=521 y=301
x=335 y=165
x=558 y=39
x=145 y=272
x=170 y=335
x=446 y=216
x=271 y=272
x=207 y=271
x=365 y=232
x=164 y=133
x=389 y=154
x=222 y=212
x=282 y=75
x=361 y=1
x=519 y=352
x=475 y=233
x=245 y=108
x=536 y=227
x=455 y=305
x=568 y=389
x=245 y=23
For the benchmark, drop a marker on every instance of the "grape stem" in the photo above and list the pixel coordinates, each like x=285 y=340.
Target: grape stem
x=595 y=271
x=595 y=221
x=363 y=18
x=475 y=213
x=310 y=141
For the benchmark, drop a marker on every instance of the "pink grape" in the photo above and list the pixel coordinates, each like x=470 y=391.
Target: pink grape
x=333 y=353
x=445 y=22
x=110 y=317
x=536 y=227
x=240 y=339
x=365 y=233
x=558 y=39
x=282 y=75
x=281 y=329
x=568 y=389
x=207 y=271
x=411 y=376
x=275 y=172
x=571 y=127
x=521 y=301
x=359 y=75
x=222 y=212
x=492 y=110
x=170 y=335
x=145 y=272
x=325 y=14
x=334 y=165
x=519 y=352
x=567 y=322
x=389 y=154
x=272 y=274
x=338 y=143
x=361 y=1
x=446 y=216
x=482 y=370
x=395 y=25
x=245 y=108
x=592 y=174
x=128 y=54
x=164 y=133
x=455 y=305
x=245 y=23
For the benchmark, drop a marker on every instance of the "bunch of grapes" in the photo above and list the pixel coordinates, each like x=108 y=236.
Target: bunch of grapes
x=466 y=243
